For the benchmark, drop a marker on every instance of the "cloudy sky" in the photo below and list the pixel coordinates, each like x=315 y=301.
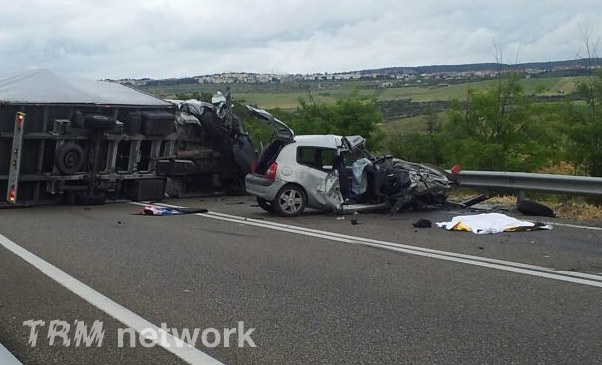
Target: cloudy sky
x=176 y=38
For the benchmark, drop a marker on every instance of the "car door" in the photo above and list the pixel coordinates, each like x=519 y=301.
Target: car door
x=281 y=130
x=316 y=175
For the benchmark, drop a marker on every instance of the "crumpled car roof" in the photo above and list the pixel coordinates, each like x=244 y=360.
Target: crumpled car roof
x=327 y=140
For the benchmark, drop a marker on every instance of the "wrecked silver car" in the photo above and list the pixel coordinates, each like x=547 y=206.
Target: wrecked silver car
x=337 y=173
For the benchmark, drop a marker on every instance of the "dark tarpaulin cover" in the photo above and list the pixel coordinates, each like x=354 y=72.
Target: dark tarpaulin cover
x=43 y=86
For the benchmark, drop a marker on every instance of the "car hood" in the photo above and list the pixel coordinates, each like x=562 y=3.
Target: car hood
x=283 y=132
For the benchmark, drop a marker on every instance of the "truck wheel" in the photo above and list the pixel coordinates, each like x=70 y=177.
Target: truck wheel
x=290 y=201
x=69 y=158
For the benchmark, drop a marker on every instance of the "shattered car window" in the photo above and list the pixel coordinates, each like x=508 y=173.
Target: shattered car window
x=316 y=157
x=356 y=154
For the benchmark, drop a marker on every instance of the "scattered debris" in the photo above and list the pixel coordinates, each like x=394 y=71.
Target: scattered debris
x=163 y=211
x=340 y=218
x=423 y=223
x=488 y=223
x=474 y=200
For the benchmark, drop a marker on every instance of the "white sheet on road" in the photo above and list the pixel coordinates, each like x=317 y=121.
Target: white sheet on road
x=488 y=223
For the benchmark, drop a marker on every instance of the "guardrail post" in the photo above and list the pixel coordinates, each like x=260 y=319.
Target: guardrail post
x=520 y=196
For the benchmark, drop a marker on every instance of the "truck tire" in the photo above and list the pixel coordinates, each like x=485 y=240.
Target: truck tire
x=94 y=122
x=529 y=207
x=69 y=158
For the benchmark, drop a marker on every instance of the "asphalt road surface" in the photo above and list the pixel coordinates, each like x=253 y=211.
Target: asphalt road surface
x=314 y=289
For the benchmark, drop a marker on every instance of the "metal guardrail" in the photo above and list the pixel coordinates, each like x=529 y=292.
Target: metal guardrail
x=522 y=181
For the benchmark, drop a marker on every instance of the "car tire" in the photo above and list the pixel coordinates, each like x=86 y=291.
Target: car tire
x=290 y=201
x=265 y=205
x=69 y=158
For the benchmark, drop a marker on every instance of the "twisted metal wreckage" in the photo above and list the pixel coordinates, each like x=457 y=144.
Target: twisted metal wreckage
x=84 y=141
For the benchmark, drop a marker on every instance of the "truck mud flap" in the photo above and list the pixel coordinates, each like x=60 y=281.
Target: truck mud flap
x=145 y=189
x=175 y=167
x=96 y=198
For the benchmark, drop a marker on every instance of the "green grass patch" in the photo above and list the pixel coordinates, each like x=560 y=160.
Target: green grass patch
x=286 y=95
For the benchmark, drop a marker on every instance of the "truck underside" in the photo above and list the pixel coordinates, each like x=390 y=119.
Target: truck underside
x=84 y=141
x=89 y=153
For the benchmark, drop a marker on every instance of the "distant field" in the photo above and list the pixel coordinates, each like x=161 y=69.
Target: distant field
x=402 y=126
x=286 y=96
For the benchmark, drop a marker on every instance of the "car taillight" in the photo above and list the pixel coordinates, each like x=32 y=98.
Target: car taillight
x=254 y=164
x=271 y=173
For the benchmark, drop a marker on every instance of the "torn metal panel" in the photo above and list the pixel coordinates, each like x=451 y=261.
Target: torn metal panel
x=328 y=192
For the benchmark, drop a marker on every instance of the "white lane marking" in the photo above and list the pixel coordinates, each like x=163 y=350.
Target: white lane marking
x=569 y=276
x=423 y=249
x=172 y=344
x=6 y=358
x=574 y=226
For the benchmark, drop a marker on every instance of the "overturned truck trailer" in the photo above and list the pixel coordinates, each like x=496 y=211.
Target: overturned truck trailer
x=84 y=141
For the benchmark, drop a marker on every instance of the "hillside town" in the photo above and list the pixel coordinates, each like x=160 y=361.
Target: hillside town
x=394 y=76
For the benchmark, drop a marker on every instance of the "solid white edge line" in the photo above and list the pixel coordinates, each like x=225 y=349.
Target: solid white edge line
x=574 y=226
x=569 y=276
x=6 y=358
x=543 y=274
x=172 y=344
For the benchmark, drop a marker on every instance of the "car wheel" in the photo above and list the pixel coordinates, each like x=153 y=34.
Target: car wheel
x=265 y=205
x=290 y=201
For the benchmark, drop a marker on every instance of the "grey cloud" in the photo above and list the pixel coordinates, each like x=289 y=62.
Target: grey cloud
x=169 y=38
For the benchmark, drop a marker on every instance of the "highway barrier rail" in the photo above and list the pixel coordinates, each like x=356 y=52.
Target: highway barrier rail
x=522 y=181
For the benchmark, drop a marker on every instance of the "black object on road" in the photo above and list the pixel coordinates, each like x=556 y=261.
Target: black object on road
x=530 y=207
x=423 y=223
